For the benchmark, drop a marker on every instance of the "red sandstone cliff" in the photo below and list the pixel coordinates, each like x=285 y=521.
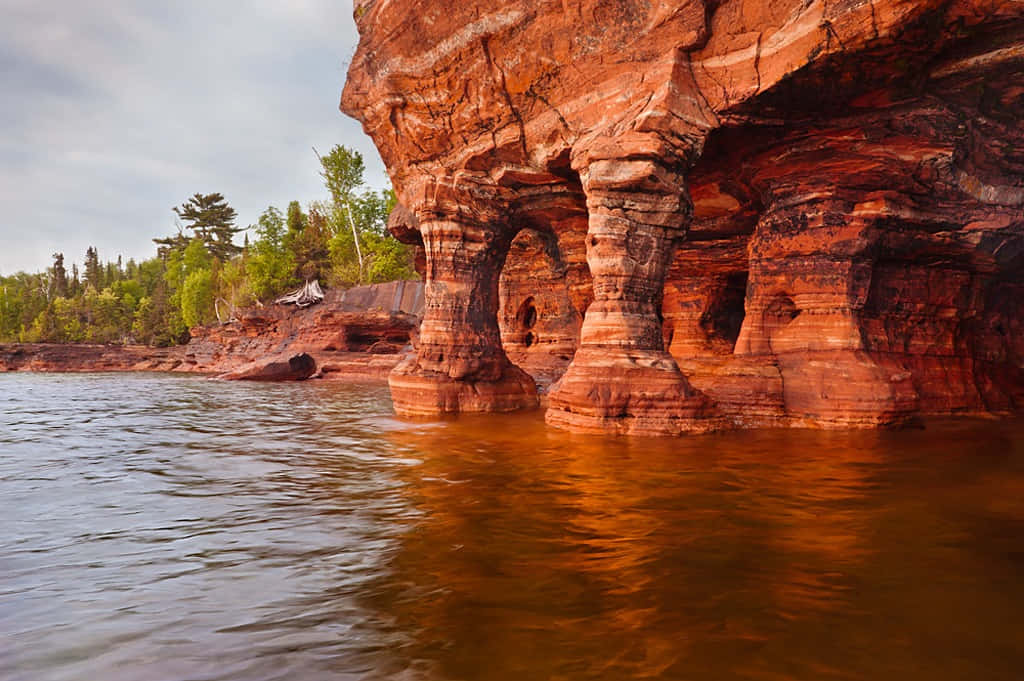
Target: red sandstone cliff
x=787 y=212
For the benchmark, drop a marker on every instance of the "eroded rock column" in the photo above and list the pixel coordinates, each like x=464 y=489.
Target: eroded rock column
x=621 y=379
x=459 y=365
x=811 y=268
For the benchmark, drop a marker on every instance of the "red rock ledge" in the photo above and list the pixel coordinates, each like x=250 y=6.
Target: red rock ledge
x=357 y=334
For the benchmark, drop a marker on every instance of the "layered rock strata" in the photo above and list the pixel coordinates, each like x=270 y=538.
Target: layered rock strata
x=361 y=332
x=356 y=334
x=794 y=212
x=85 y=357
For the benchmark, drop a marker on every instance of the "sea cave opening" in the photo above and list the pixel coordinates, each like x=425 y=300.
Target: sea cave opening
x=724 y=315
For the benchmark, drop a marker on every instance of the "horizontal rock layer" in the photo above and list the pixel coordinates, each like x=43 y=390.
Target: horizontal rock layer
x=677 y=214
x=360 y=333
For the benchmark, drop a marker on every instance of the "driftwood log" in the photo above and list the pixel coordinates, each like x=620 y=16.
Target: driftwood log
x=309 y=294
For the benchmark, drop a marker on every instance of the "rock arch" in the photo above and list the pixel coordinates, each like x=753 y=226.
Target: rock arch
x=694 y=152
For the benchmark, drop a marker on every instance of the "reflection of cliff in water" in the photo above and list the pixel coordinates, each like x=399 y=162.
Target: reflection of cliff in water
x=753 y=555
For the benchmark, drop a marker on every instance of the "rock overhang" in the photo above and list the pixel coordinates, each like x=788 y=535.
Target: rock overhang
x=820 y=142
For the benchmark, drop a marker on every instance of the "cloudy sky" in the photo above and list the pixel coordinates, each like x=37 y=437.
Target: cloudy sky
x=114 y=111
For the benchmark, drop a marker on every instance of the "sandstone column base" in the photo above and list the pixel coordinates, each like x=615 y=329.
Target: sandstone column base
x=847 y=389
x=417 y=393
x=629 y=392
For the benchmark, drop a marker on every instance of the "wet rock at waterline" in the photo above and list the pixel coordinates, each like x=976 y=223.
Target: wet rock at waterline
x=295 y=368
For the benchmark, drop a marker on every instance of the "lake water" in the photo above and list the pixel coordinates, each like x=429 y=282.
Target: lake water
x=159 y=527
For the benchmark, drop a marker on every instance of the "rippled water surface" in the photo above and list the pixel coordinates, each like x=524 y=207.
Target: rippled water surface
x=161 y=527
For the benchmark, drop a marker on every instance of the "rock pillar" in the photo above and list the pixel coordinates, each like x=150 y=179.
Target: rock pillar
x=459 y=365
x=621 y=379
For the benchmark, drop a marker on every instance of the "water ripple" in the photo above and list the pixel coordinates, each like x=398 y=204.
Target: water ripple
x=162 y=527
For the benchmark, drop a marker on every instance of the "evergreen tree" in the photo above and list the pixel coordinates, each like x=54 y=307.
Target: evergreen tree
x=297 y=220
x=93 y=271
x=75 y=285
x=175 y=242
x=59 y=276
x=211 y=219
x=310 y=248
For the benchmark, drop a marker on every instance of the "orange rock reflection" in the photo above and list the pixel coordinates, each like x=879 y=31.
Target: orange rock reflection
x=537 y=549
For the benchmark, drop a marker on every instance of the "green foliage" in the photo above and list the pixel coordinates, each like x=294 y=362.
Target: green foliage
x=297 y=221
x=361 y=249
x=311 y=248
x=197 y=298
x=234 y=288
x=59 y=276
x=155 y=301
x=195 y=257
x=270 y=265
x=342 y=170
x=391 y=260
x=67 y=323
x=93 y=271
x=212 y=221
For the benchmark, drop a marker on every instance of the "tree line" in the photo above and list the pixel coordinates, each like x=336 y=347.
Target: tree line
x=202 y=274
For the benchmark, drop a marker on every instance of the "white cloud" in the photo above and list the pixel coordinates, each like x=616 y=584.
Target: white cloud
x=115 y=111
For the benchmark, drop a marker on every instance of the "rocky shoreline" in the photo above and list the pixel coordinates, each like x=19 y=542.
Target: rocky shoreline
x=357 y=334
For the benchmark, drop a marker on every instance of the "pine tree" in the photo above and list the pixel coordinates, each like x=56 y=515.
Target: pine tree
x=75 y=285
x=296 y=220
x=59 y=276
x=176 y=242
x=211 y=219
x=93 y=271
x=312 y=255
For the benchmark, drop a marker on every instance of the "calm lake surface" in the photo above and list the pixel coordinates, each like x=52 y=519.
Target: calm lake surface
x=159 y=527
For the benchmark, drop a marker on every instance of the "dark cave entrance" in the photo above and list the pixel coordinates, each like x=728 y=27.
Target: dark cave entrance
x=703 y=307
x=526 y=319
x=724 y=315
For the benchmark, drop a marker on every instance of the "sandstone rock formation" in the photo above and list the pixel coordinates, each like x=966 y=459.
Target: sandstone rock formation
x=802 y=212
x=282 y=368
x=357 y=333
x=84 y=357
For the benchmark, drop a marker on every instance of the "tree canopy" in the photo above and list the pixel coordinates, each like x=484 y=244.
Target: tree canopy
x=212 y=220
x=200 y=274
